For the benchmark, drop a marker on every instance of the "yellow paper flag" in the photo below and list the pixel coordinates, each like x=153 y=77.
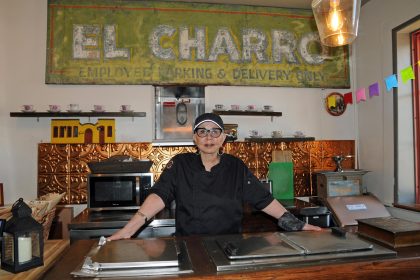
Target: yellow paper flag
x=331 y=101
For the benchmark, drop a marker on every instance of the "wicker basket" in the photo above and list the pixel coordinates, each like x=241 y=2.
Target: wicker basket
x=47 y=221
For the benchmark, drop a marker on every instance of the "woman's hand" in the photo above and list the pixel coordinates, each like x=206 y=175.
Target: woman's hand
x=311 y=227
x=120 y=234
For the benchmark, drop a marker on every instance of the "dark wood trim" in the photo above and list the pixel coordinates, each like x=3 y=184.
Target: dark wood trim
x=248 y=113
x=411 y=207
x=75 y=114
x=415 y=47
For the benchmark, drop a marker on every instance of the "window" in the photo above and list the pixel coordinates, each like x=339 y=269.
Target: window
x=405 y=41
x=55 y=132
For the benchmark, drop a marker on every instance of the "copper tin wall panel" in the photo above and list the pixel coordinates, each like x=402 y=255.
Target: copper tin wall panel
x=128 y=149
x=333 y=148
x=63 y=168
x=161 y=155
x=78 y=188
x=81 y=154
x=54 y=183
x=53 y=159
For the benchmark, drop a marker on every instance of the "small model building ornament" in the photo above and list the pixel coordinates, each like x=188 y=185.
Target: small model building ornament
x=71 y=131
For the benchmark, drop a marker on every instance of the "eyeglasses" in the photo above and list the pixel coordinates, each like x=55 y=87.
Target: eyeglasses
x=203 y=132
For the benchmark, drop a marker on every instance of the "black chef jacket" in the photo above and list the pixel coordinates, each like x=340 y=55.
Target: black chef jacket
x=209 y=202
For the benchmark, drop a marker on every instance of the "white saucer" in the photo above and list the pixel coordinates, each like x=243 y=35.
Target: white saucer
x=52 y=111
x=97 y=111
x=255 y=136
x=74 y=111
x=28 y=111
x=126 y=111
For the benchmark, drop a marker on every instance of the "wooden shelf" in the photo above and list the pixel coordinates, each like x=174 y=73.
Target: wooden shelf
x=248 y=113
x=76 y=114
x=282 y=139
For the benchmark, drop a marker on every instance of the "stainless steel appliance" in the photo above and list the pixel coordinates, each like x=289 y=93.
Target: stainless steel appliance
x=118 y=191
x=175 y=111
x=119 y=182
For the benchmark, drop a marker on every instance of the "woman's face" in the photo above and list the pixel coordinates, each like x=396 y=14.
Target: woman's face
x=209 y=144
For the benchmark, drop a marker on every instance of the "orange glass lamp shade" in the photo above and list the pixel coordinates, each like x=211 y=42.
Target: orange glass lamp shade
x=337 y=21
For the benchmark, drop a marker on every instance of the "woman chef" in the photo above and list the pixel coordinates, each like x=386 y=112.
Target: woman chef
x=209 y=189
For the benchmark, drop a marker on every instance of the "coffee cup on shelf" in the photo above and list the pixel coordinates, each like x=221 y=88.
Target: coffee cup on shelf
x=251 y=107
x=276 y=134
x=235 y=107
x=219 y=107
x=54 y=108
x=253 y=133
x=125 y=108
x=28 y=108
x=73 y=107
x=268 y=108
x=98 y=108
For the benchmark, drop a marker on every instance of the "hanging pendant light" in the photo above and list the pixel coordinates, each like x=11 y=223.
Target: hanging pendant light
x=337 y=21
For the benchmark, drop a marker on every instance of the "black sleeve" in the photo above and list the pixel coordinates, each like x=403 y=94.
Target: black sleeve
x=165 y=185
x=254 y=191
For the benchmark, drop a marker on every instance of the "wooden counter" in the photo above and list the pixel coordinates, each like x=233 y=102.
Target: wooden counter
x=53 y=250
x=406 y=265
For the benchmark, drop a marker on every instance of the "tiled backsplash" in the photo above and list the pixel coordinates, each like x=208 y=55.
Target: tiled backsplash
x=63 y=167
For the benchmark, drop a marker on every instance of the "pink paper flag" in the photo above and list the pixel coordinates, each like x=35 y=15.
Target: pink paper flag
x=360 y=95
x=407 y=74
x=374 y=90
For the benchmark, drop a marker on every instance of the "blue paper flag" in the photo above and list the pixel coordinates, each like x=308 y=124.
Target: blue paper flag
x=391 y=82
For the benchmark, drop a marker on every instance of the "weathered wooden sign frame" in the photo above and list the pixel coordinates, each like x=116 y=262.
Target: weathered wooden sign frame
x=173 y=43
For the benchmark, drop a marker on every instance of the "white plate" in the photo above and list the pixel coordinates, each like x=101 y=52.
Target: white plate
x=74 y=111
x=255 y=136
x=124 y=111
x=28 y=111
x=97 y=111
x=51 y=111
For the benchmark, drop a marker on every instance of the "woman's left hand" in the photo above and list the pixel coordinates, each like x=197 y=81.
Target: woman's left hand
x=311 y=227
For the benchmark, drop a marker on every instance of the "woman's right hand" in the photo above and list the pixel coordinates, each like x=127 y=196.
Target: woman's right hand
x=120 y=234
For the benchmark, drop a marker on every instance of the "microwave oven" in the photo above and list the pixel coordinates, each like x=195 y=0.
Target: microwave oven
x=118 y=191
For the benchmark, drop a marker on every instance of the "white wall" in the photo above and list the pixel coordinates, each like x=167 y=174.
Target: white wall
x=23 y=31
x=373 y=52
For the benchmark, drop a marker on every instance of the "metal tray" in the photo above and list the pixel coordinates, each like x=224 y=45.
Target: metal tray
x=261 y=246
x=310 y=248
x=135 y=257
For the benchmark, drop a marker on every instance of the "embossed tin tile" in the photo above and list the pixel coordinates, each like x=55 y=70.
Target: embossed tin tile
x=63 y=167
x=54 y=183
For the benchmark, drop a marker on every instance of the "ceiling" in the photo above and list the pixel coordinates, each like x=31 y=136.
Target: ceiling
x=301 y=4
